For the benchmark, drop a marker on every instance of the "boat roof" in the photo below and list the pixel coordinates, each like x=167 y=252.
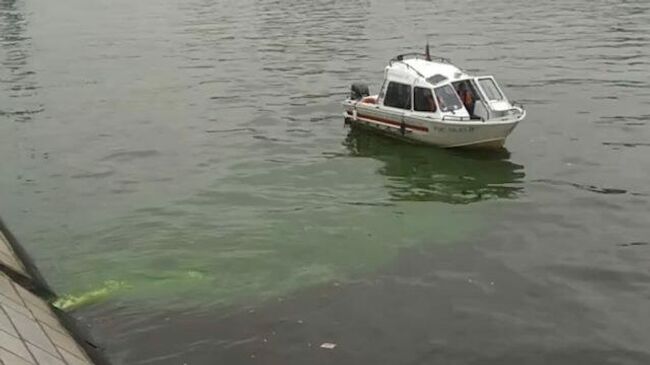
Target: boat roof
x=433 y=70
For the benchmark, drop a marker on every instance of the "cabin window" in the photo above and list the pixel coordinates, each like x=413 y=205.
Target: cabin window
x=490 y=89
x=468 y=95
x=423 y=100
x=447 y=98
x=398 y=95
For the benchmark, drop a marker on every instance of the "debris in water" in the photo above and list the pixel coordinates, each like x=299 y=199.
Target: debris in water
x=633 y=244
x=328 y=345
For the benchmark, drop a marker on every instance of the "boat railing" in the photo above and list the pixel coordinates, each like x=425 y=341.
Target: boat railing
x=414 y=55
x=418 y=55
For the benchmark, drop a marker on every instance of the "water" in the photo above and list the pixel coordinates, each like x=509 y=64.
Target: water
x=180 y=171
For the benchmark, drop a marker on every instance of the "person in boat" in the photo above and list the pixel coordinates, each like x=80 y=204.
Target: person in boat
x=466 y=94
x=424 y=100
x=431 y=103
x=466 y=97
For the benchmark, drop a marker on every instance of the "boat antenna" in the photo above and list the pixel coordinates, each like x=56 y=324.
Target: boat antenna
x=427 y=53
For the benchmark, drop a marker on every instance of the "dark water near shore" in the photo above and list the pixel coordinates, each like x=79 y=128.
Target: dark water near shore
x=180 y=169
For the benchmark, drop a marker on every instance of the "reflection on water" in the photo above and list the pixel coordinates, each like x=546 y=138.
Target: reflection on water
x=420 y=173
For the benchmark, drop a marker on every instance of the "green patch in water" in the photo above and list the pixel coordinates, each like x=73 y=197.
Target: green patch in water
x=108 y=289
x=267 y=230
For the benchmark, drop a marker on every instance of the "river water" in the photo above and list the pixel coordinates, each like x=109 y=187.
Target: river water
x=180 y=172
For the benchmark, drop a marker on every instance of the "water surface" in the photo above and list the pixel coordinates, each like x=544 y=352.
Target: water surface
x=182 y=167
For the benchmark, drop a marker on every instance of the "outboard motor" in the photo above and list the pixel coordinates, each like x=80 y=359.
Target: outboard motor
x=359 y=91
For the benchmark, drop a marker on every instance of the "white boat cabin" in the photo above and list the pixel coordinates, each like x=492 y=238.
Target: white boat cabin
x=439 y=90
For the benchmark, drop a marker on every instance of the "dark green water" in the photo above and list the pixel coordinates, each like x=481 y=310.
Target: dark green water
x=181 y=172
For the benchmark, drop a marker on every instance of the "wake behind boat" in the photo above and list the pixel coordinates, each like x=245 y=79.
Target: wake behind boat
x=434 y=102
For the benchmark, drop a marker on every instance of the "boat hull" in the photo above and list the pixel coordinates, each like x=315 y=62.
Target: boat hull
x=422 y=129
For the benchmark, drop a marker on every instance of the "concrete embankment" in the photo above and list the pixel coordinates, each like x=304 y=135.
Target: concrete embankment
x=32 y=331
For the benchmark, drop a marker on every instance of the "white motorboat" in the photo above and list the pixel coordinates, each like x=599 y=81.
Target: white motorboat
x=428 y=100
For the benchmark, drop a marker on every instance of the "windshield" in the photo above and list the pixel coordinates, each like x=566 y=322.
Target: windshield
x=490 y=89
x=447 y=98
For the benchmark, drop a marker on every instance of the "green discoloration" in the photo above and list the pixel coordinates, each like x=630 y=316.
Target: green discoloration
x=269 y=229
x=109 y=288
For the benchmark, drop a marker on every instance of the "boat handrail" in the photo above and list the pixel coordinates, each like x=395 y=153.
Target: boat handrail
x=409 y=66
x=418 y=55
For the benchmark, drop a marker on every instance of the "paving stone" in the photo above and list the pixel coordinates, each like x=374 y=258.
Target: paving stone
x=7 y=288
x=45 y=358
x=45 y=317
x=13 y=344
x=5 y=249
x=15 y=307
x=6 y=325
x=12 y=306
x=56 y=325
x=64 y=341
x=32 y=299
x=12 y=359
x=12 y=262
x=4 y=245
x=73 y=360
x=31 y=331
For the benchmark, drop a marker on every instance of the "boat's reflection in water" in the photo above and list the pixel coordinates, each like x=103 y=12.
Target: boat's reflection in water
x=422 y=173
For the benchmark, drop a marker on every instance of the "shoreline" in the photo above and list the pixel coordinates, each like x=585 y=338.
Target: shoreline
x=32 y=329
